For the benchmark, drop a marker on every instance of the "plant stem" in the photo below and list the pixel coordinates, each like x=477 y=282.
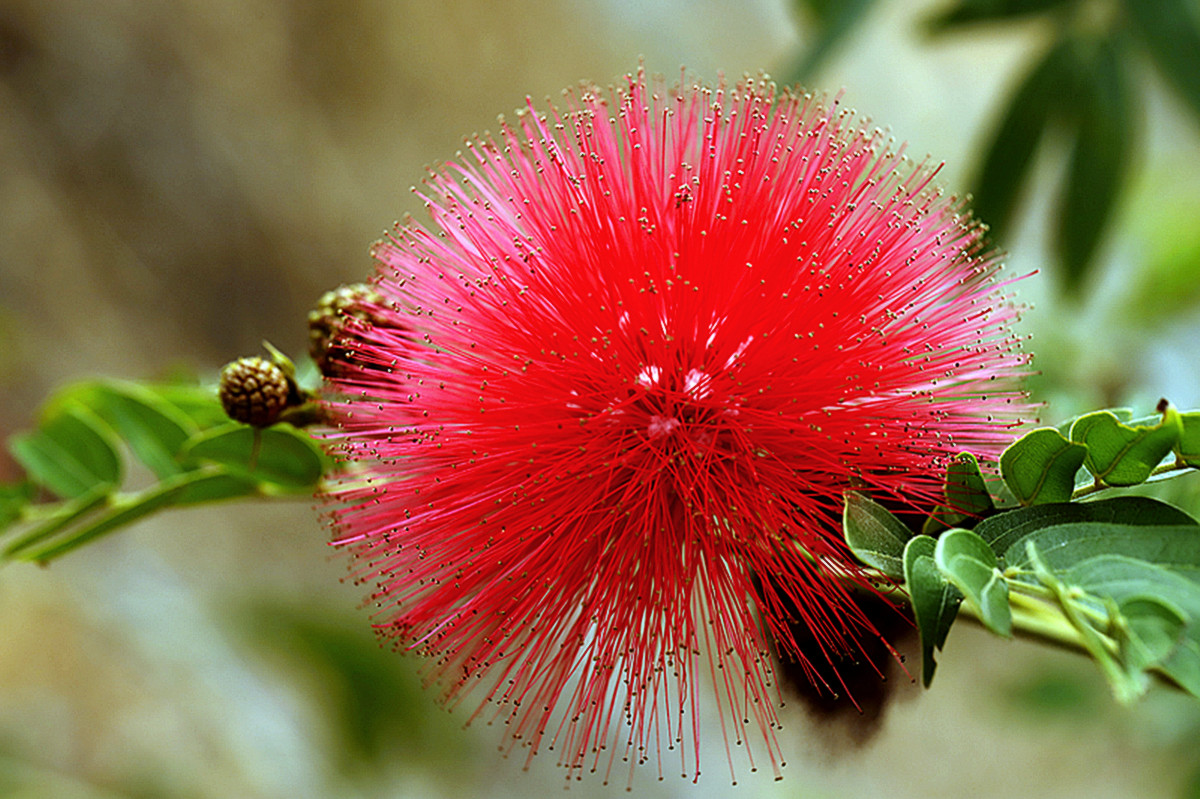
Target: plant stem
x=119 y=510
x=1033 y=617
x=1035 y=613
x=63 y=515
x=1158 y=471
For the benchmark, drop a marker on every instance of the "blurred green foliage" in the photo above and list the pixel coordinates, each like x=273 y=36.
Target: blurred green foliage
x=1078 y=92
x=376 y=703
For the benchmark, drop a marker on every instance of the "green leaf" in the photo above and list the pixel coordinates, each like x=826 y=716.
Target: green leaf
x=1148 y=631
x=154 y=428
x=968 y=562
x=966 y=12
x=1122 y=455
x=1170 y=32
x=278 y=456
x=1131 y=582
x=1062 y=546
x=1036 y=106
x=966 y=493
x=1005 y=531
x=1095 y=620
x=966 y=490
x=1187 y=450
x=1123 y=578
x=875 y=536
x=199 y=403
x=74 y=454
x=934 y=600
x=1183 y=664
x=71 y=452
x=1098 y=160
x=1040 y=466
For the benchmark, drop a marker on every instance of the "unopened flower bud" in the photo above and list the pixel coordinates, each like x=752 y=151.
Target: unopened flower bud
x=253 y=391
x=325 y=322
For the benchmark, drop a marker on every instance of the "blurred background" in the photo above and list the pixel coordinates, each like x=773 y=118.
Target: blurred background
x=181 y=179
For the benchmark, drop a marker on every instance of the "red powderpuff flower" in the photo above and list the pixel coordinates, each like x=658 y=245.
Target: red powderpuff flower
x=608 y=408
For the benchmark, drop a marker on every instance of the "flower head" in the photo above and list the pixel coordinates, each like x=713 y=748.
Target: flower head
x=642 y=351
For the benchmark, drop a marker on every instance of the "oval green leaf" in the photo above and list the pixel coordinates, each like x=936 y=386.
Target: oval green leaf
x=1123 y=414
x=934 y=600
x=1099 y=157
x=1062 y=546
x=875 y=536
x=1040 y=466
x=966 y=493
x=1131 y=582
x=968 y=562
x=70 y=453
x=154 y=428
x=277 y=457
x=1004 y=532
x=1120 y=454
x=1035 y=106
x=1149 y=630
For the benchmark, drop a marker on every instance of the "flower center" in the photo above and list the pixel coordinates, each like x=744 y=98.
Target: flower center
x=674 y=410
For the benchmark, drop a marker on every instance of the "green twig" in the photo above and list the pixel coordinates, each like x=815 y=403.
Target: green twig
x=1158 y=471
x=63 y=515
x=1102 y=648
x=122 y=510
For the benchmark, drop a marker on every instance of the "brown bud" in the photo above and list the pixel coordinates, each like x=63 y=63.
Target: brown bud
x=325 y=321
x=253 y=391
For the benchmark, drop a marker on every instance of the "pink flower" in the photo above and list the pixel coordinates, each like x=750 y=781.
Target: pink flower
x=645 y=347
